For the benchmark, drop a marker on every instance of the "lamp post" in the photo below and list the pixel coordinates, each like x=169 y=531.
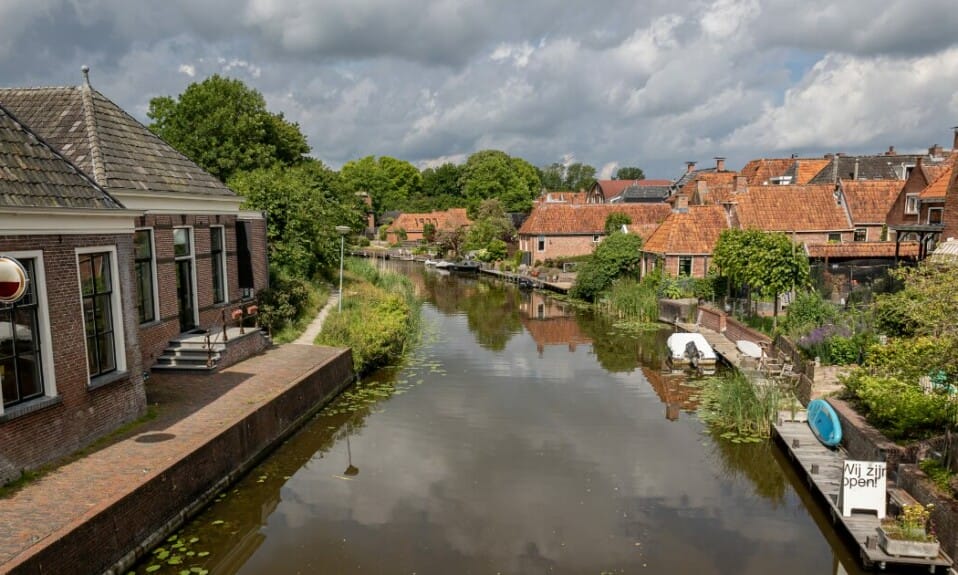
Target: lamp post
x=343 y=230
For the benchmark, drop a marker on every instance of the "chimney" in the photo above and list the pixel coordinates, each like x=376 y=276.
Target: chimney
x=689 y=166
x=935 y=151
x=829 y=156
x=954 y=145
x=86 y=75
x=794 y=155
x=719 y=164
x=740 y=183
x=891 y=151
x=855 y=173
x=681 y=204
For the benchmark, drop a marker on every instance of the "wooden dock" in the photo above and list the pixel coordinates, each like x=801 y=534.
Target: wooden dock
x=822 y=468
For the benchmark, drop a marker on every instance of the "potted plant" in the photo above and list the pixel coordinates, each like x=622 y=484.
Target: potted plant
x=909 y=534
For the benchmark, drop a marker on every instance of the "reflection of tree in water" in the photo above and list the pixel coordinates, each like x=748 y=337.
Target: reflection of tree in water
x=755 y=462
x=619 y=351
x=493 y=314
x=445 y=290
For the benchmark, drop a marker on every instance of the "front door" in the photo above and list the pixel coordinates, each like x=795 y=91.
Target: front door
x=184 y=294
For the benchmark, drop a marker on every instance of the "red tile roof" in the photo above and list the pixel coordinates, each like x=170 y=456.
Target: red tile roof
x=939 y=186
x=566 y=197
x=870 y=200
x=447 y=220
x=689 y=233
x=760 y=172
x=806 y=169
x=862 y=250
x=810 y=208
x=587 y=219
x=613 y=188
x=712 y=180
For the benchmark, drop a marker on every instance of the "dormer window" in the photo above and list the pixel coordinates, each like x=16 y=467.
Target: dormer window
x=911 y=204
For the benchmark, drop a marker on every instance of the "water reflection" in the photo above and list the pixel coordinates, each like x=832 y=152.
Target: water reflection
x=495 y=452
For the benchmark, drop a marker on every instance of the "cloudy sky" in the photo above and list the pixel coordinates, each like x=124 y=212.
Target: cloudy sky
x=651 y=83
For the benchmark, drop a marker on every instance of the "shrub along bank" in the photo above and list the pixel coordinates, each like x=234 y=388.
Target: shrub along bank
x=379 y=319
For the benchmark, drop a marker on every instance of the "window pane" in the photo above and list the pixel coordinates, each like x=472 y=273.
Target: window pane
x=91 y=356
x=107 y=356
x=28 y=372
x=144 y=291
x=86 y=274
x=104 y=313
x=89 y=325
x=141 y=245
x=216 y=239
x=103 y=275
x=8 y=381
x=181 y=242
x=24 y=332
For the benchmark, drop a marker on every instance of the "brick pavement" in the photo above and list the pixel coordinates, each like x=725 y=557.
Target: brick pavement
x=192 y=408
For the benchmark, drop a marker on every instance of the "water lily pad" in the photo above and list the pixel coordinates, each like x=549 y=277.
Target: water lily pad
x=152 y=568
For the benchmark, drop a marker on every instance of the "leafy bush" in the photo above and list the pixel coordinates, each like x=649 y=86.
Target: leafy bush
x=808 y=311
x=283 y=302
x=901 y=410
x=617 y=255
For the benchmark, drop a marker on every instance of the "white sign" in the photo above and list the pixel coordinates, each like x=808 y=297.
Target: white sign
x=863 y=487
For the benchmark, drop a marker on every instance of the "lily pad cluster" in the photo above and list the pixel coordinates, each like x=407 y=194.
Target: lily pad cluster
x=179 y=556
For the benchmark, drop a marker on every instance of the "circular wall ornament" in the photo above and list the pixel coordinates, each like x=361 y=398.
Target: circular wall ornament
x=13 y=280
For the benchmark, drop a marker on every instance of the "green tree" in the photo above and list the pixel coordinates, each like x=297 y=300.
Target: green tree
x=615 y=221
x=493 y=174
x=629 y=173
x=491 y=223
x=224 y=126
x=618 y=255
x=927 y=305
x=579 y=176
x=440 y=190
x=389 y=181
x=304 y=204
x=553 y=177
x=429 y=232
x=452 y=240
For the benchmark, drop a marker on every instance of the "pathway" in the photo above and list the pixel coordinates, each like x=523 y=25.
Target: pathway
x=316 y=326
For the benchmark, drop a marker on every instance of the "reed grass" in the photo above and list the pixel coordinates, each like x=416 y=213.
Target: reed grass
x=632 y=302
x=739 y=409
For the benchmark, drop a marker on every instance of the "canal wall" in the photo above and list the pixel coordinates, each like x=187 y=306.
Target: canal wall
x=124 y=529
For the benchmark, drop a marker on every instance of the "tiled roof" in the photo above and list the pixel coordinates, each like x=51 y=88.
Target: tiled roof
x=564 y=197
x=583 y=219
x=712 y=179
x=33 y=174
x=791 y=208
x=645 y=192
x=869 y=168
x=804 y=169
x=688 y=233
x=100 y=138
x=870 y=200
x=862 y=250
x=939 y=186
x=614 y=188
x=447 y=220
x=760 y=172
x=688 y=176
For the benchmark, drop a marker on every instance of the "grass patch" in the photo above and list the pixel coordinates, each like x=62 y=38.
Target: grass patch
x=379 y=320
x=938 y=473
x=31 y=475
x=632 y=303
x=737 y=409
x=317 y=294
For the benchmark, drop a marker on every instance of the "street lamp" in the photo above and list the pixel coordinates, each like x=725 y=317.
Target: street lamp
x=343 y=230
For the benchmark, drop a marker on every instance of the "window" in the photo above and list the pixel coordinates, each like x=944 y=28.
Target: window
x=96 y=287
x=218 y=263
x=861 y=235
x=21 y=374
x=834 y=238
x=181 y=242
x=143 y=261
x=542 y=244
x=244 y=260
x=596 y=238
x=911 y=204
x=685 y=265
x=935 y=215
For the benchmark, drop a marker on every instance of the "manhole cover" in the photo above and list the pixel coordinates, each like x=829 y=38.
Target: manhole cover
x=154 y=437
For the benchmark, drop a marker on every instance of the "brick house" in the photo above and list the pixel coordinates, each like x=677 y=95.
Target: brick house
x=559 y=230
x=196 y=254
x=683 y=244
x=70 y=363
x=918 y=213
x=411 y=227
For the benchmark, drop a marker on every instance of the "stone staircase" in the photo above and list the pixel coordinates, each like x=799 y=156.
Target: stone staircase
x=192 y=352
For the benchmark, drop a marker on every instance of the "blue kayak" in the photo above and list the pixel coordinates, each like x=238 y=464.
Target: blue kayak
x=824 y=422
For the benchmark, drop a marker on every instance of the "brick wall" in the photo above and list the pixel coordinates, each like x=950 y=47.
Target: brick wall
x=559 y=246
x=944 y=514
x=711 y=318
x=252 y=342
x=155 y=336
x=864 y=442
x=79 y=415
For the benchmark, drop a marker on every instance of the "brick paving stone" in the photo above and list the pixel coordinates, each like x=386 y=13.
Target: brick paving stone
x=191 y=409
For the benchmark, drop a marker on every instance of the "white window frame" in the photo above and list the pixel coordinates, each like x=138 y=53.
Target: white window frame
x=863 y=231
x=226 y=283
x=541 y=243
x=596 y=238
x=192 y=258
x=911 y=204
x=156 y=286
x=43 y=318
x=116 y=307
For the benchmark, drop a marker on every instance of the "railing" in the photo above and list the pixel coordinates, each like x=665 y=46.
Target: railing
x=217 y=333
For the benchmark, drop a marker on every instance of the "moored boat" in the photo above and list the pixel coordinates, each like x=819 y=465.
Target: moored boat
x=691 y=350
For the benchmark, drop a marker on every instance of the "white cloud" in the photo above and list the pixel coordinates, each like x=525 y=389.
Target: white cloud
x=188 y=69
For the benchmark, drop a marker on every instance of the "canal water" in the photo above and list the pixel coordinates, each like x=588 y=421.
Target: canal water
x=522 y=436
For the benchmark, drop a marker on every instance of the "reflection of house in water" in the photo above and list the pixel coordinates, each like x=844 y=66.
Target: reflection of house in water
x=550 y=322
x=674 y=391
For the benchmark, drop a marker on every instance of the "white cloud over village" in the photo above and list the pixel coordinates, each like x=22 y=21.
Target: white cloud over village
x=613 y=82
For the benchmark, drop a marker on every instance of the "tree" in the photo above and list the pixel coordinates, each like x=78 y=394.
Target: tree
x=493 y=174
x=429 y=231
x=304 y=204
x=451 y=240
x=224 y=126
x=927 y=305
x=491 y=223
x=440 y=190
x=629 y=173
x=553 y=177
x=617 y=255
x=390 y=182
x=579 y=176
x=615 y=221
